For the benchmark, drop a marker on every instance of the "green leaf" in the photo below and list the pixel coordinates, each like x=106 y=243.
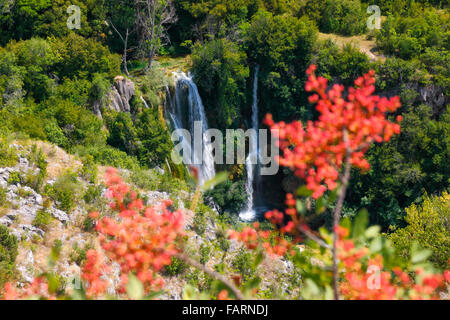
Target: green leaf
x=320 y=205
x=153 y=295
x=420 y=256
x=253 y=283
x=372 y=232
x=376 y=245
x=135 y=288
x=258 y=259
x=311 y=288
x=303 y=191
x=300 y=207
x=360 y=224
x=218 y=179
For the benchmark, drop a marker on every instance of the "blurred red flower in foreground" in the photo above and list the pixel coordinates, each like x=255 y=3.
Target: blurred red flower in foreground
x=345 y=127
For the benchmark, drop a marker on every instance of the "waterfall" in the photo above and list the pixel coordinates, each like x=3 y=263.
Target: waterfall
x=249 y=214
x=187 y=109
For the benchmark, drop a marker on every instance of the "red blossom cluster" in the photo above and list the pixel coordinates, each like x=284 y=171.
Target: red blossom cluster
x=360 y=283
x=346 y=127
x=142 y=240
x=38 y=289
x=276 y=245
x=93 y=273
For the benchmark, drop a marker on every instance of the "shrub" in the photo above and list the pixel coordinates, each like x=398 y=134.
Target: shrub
x=8 y=155
x=55 y=134
x=35 y=179
x=145 y=179
x=229 y=196
x=200 y=223
x=243 y=263
x=42 y=219
x=177 y=267
x=8 y=254
x=155 y=145
x=15 y=178
x=3 y=192
x=153 y=83
x=78 y=255
x=341 y=65
x=205 y=251
x=428 y=224
x=65 y=191
x=89 y=171
x=108 y=156
x=92 y=194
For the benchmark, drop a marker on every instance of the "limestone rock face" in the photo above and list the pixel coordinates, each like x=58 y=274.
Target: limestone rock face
x=121 y=93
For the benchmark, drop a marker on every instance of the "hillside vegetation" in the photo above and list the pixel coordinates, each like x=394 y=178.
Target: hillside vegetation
x=76 y=102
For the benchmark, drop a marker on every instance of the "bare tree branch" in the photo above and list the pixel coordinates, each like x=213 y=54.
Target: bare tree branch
x=239 y=295
x=153 y=18
x=337 y=213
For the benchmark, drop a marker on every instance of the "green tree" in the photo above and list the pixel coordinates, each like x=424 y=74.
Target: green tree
x=220 y=72
x=282 y=46
x=428 y=225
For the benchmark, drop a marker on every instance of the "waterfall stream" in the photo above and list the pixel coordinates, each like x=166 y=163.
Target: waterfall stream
x=249 y=213
x=187 y=110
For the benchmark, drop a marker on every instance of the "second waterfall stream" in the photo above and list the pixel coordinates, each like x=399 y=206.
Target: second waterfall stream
x=249 y=213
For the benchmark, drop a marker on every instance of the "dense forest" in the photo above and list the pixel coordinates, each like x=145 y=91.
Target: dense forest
x=60 y=78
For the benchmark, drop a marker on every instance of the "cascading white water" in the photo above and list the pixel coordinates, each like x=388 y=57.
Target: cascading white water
x=195 y=113
x=249 y=214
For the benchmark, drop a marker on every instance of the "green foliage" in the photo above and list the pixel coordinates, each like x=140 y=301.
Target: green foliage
x=3 y=192
x=346 y=17
x=15 y=178
x=108 y=156
x=200 y=223
x=428 y=225
x=228 y=196
x=146 y=137
x=92 y=194
x=155 y=145
x=8 y=154
x=220 y=71
x=153 y=85
x=65 y=191
x=89 y=171
x=36 y=176
x=243 y=262
x=407 y=37
x=8 y=254
x=282 y=47
x=145 y=178
x=84 y=57
x=44 y=18
x=100 y=88
x=55 y=134
x=205 y=251
x=78 y=255
x=415 y=162
x=122 y=132
x=342 y=66
x=42 y=219
x=177 y=267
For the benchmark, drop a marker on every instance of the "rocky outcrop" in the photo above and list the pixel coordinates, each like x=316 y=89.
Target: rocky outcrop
x=121 y=93
x=25 y=203
x=434 y=96
x=118 y=98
